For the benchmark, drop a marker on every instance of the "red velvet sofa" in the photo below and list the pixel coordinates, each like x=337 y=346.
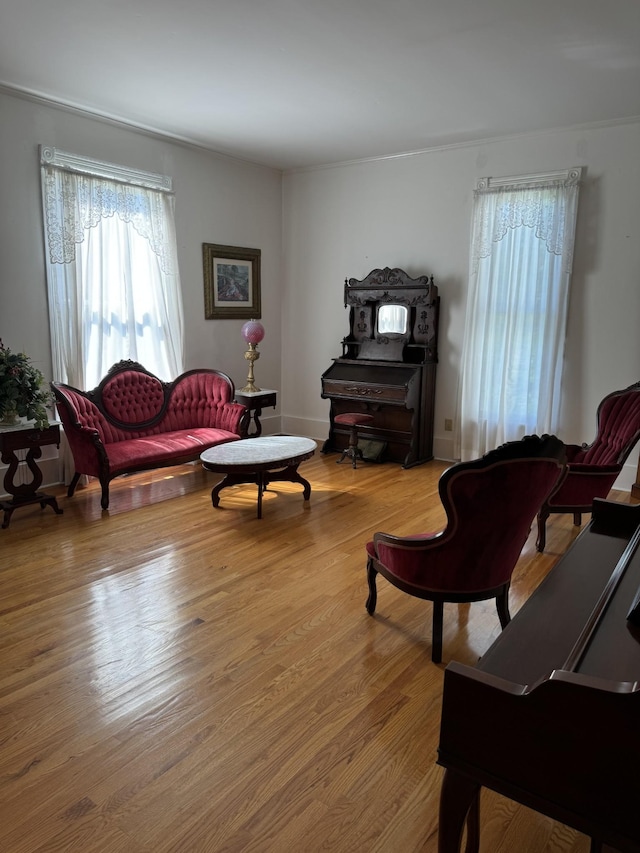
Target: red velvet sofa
x=133 y=421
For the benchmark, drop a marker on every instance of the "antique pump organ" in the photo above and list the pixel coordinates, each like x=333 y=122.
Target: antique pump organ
x=388 y=364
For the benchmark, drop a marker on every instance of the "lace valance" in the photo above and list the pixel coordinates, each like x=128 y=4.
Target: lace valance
x=75 y=201
x=547 y=207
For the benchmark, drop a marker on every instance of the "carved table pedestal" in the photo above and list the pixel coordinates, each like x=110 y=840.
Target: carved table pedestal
x=25 y=437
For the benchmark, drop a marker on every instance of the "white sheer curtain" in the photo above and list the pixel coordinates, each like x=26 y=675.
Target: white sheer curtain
x=112 y=269
x=521 y=258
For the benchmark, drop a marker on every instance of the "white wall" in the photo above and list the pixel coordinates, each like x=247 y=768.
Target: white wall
x=218 y=200
x=414 y=212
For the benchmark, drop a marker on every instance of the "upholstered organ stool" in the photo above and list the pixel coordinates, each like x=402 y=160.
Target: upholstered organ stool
x=353 y=420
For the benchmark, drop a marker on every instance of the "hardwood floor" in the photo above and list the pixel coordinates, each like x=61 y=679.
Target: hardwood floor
x=175 y=678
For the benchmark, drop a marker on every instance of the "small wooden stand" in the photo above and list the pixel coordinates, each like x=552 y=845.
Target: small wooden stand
x=25 y=437
x=256 y=401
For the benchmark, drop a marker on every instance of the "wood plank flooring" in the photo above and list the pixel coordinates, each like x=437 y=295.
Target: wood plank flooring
x=179 y=679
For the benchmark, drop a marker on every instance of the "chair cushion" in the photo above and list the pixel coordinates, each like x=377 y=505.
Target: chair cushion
x=353 y=419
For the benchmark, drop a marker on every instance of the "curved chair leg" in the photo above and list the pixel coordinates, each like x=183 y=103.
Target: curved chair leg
x=72 y=485
x=436 y=631
x=502 y=606
x=543 y=515
x=372 y=600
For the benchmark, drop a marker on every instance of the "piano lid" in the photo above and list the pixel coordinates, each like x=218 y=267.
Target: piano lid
x=568 y=624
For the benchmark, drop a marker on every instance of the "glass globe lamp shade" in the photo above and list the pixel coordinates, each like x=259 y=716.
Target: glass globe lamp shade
x=253 y=332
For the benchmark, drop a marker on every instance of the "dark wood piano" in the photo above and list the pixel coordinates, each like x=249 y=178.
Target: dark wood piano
x=550 y=717
x=388 y=364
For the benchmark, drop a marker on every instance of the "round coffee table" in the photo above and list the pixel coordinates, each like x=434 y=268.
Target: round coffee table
x=261 y=461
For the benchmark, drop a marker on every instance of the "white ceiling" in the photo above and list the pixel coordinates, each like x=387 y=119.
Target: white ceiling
x=295 y=83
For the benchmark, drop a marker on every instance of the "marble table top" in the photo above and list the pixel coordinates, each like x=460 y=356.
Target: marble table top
x=262 y=451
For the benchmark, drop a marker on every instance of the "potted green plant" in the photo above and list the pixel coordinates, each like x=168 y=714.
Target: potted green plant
x=21 y=389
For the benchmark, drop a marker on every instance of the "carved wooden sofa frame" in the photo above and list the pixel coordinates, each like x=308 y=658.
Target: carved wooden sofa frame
x=133 y=421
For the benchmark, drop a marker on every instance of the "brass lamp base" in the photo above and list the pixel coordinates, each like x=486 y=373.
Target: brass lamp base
x=251 y=356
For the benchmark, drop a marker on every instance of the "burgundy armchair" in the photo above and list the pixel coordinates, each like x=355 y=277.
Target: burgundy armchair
x=594 y=468
x=490 y=504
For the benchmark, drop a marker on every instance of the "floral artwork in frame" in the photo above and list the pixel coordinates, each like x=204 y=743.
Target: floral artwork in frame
x=231 y=282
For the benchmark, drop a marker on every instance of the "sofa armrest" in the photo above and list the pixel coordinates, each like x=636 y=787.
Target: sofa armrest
x=232 y=415
x=85 y=439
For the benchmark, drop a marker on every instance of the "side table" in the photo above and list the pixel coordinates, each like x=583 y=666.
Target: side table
x=25 y=437
x=255 y=401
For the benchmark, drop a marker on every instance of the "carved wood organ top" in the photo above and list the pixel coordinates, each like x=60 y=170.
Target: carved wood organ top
x=388 y=363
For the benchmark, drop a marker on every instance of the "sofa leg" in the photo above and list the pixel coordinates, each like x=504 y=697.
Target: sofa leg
x=72 y=485
x=104 y=502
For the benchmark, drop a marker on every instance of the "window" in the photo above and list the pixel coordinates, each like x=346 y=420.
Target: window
x=521 y=257
x=112 y=272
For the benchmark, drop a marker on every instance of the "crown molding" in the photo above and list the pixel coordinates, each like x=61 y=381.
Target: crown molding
x=471 y=143
x=127 y=124
x=157 y=133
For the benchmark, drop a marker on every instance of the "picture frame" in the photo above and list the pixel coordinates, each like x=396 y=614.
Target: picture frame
x=231 y=282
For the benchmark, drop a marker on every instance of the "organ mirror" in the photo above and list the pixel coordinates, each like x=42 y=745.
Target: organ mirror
x=392 y=319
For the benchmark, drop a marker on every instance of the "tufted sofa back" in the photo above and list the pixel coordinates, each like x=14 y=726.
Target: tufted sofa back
x=131 y=397
x=130 y=402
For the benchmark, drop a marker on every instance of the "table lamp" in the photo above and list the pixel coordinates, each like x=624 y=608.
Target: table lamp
x=253 y=333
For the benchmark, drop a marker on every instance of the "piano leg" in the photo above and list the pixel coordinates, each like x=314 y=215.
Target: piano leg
x=436 y=631
x=459 y=801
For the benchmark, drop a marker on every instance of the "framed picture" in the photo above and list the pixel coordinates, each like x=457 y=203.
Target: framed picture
x=231 y=282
